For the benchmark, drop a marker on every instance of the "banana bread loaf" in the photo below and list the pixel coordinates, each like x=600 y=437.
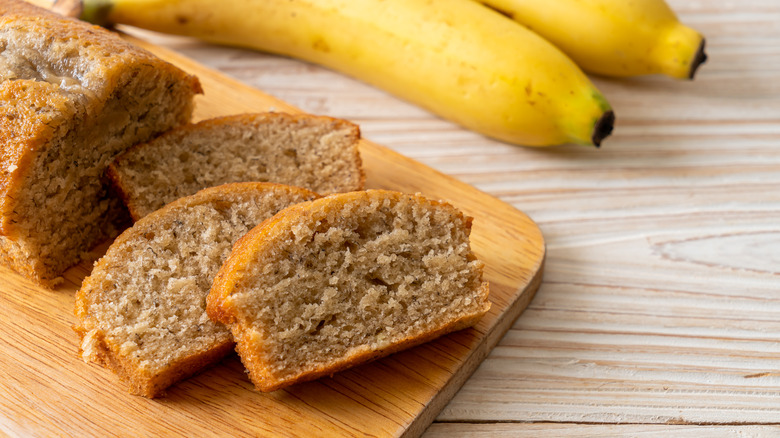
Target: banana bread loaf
x=72 y=96
x=344 y=279
x=142 y=311
x=318 y=153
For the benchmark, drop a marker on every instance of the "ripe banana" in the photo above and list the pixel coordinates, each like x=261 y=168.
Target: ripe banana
x=613 y=37
x=457 y=58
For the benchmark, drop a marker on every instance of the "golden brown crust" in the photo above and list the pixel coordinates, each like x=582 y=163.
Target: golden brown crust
x=29 y=113
x=252 y=246
x=248 y=118
x=29 y=116
x=247 y=247
x=113 y=179
x=35 y=109
x=31 y=109
x=145 y=384
x=267 y=382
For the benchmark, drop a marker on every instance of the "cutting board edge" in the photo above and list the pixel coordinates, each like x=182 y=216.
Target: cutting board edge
x=520 y=297
x=426 y=417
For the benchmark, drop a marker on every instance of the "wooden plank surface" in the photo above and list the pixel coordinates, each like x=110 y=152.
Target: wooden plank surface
x=574 y=430
x=661 y=302
x=661 y=297
x=46 y=390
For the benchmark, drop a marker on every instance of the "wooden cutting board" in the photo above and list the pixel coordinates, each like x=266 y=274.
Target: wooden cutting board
x=46 y=390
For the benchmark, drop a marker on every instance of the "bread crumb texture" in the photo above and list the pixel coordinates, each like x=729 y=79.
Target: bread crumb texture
x=318 y=153
x=142 y=311
x=72 y=97
x=347 y=278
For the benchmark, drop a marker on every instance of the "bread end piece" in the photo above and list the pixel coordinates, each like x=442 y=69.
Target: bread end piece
x=73 y=97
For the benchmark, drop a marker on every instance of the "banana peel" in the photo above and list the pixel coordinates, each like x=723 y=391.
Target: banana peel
x=616 y=38
x=457 y=58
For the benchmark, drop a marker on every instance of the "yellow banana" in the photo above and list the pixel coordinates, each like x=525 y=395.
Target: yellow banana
x=457 y=58
x=613 y=37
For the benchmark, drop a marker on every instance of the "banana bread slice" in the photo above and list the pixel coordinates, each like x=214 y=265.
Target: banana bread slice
x=318 y=153
x=72 y=96
x=348 y=278
x=142 y=311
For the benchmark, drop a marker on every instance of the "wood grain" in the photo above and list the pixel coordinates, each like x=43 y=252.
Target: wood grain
x=554 y=430
x=660 y=302
x=660 y=299
x=46 y=390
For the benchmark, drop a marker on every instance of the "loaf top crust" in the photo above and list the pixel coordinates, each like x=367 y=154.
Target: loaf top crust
x=54 y=72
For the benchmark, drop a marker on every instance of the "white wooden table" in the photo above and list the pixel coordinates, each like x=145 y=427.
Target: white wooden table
x=659 y=314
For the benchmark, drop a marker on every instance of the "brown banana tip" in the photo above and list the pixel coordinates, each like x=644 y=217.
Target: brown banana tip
x=603 y=128
x=698 y=59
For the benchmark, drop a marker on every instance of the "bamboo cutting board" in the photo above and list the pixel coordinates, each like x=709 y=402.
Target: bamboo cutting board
x=46 y=390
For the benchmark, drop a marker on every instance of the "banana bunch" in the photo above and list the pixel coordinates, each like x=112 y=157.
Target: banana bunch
x=613 y=37
x=457 y=58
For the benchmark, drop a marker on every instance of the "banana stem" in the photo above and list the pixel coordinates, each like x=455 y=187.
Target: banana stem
x=95 y=11
x=698 y=59
x=603 y=127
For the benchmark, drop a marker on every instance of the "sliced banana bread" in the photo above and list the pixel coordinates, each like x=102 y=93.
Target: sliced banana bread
x=318 y=153
x=142 y=311
x=72 y=96
x=348 y=278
